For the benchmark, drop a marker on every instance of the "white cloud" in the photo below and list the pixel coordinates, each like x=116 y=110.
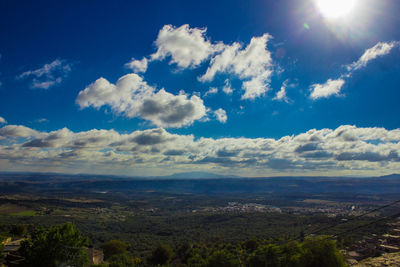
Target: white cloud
x=18 y=131
x=42 y=120
x=227 y=89
x=347 y=148
x=281 y=94
x=331 y=87
x=211 y=91
x=255 y=87
x=137 y=66
x=380 y=49
x=253 y=63
x=2 y=120
x=48 y=75
x=133 y=97
x=187 y=47
x=221 y=116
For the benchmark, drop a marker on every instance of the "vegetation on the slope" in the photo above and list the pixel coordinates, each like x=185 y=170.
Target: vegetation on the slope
x=65 y=245
x=54 y=246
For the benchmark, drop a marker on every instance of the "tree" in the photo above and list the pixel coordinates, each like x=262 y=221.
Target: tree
x=268 y=255
x=197 y=261
x=161 y=255
x=114 y=247
x=222 y=258
x=321 y=251
x=123 y=260
x=58 y=245
x=184 y=252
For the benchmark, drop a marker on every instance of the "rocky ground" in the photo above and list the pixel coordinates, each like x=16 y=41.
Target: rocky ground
x=388 y=259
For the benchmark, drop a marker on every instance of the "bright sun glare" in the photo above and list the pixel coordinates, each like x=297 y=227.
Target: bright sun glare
x=335 y=8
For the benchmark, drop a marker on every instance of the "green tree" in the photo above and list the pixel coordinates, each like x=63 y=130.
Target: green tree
x=161 y=255
x=197 y=261
x=56 y=246
x=268 y=255
x=184 y=252
x=321 y=251
x=222 y=258
x=114 y=247
x=123 y=260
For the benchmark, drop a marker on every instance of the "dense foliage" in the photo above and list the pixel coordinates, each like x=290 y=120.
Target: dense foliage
x=54 y=246
x=316 y=251
x=64 y=245
x=114 y=247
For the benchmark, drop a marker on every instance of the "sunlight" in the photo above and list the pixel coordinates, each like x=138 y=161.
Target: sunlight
x=335 y=8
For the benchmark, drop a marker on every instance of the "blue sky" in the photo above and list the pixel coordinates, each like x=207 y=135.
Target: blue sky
x=255 y=88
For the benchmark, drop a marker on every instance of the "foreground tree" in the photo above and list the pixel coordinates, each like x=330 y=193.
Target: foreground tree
x=321 y=251
x=58 y=245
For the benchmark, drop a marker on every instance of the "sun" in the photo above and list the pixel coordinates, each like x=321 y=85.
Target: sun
x=335 y=8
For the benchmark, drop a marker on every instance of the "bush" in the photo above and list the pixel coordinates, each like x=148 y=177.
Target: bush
x=57 y=245
x=222 y=258
x=114 y=247
x=123 y=260
x=161 y=255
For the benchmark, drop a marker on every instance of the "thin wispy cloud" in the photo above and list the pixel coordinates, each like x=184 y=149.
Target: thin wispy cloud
x=379 y=50
x=48 y=75
x=281 y=94
x=42 y=120
x=211 y=91
x=334 y=86
x=227 y=88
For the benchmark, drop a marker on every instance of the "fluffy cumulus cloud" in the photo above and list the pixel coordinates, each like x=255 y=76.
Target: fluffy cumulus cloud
x=2 y=120
x=137 y=66
x=221 y=116
x=15 y=131
x=380 y=49
x=133 y=97
x=48 y=75
x=187 y=47
x=347 y=149
x=331 y=87
x=252 y=64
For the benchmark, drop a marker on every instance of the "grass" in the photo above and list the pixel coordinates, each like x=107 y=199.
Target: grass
x=24 y=213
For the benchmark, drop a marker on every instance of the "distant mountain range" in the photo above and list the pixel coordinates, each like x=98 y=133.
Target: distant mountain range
x=198 y=183
x=199 y=175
